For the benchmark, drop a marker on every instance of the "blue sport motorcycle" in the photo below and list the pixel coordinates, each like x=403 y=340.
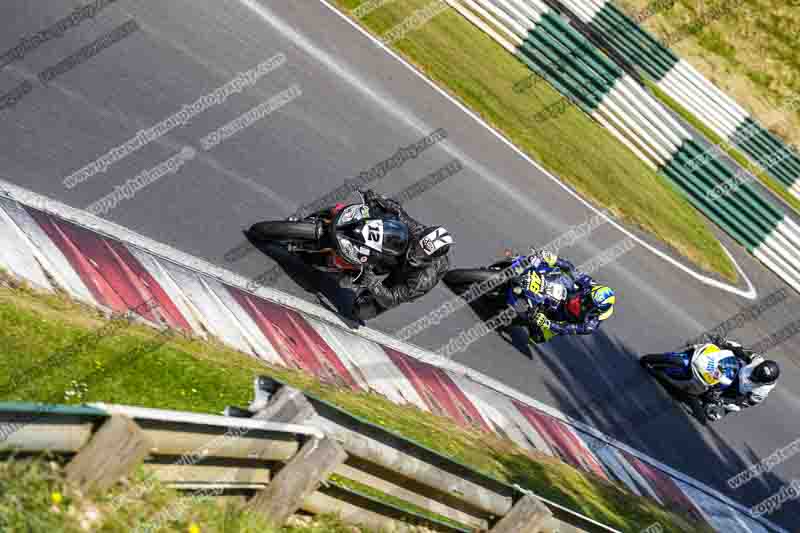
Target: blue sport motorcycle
x=525 y=283
x=698 y=375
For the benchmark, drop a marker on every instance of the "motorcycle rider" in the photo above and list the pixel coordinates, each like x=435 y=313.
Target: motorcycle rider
x=426 y=263
x=756 y=378
x=587 y=304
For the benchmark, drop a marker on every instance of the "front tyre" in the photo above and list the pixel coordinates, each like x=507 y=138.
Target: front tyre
x=282 y=231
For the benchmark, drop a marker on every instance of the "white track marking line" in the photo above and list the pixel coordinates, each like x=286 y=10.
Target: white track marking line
x=267 y=15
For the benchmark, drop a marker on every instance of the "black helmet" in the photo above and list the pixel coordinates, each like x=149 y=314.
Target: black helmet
x=767 y=372
x=434 y=242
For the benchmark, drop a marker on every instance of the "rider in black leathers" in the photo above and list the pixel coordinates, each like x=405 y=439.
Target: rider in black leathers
x=426 y=263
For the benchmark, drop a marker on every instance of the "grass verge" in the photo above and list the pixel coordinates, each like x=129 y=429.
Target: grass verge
x=35 y=498
x=191 y=375
x=481 y=74
x=750 y=53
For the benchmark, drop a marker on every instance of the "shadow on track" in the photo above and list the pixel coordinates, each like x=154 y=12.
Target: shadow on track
x=598 y=380
x=625 y=402
x=322 y=284
x=489 y=306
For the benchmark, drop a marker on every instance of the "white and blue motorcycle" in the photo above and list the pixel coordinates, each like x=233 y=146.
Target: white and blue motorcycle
x=699 y=374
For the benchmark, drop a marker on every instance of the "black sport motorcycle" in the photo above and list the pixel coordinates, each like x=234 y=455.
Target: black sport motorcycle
x=341 y=239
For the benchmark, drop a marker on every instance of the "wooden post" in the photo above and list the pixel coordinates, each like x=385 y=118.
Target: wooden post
x=529 y=515
x=114 y=451
x=298 y=479
x=383 y=455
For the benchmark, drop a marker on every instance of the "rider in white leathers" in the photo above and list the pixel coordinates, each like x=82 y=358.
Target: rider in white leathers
x=756 y=378
x=716 y=377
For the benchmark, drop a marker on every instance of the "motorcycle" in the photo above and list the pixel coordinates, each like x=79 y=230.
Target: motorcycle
x=341 y=239
x=698 y=374
x=519 y=282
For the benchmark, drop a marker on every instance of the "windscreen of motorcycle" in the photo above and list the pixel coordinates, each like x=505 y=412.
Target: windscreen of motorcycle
x=358 y=243
x=352 y=213
x=556 y=291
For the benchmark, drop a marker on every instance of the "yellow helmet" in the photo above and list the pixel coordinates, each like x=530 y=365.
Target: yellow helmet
x=604 y=299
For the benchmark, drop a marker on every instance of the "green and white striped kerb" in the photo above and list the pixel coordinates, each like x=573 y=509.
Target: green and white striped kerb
x=575 y=67
x=541 y=39
x=683 y=83
x=739 y=210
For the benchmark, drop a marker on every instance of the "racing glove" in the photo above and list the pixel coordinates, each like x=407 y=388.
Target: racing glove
x=369 y=279
x=541 y=320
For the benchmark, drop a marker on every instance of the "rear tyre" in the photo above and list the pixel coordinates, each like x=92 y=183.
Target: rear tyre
x=468 y=276
x=500 y=265
x=654 y=360
x=284 y=231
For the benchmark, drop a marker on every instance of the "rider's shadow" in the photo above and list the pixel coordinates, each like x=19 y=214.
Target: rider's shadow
x=517 y=336
x=488 y=307
x=324 y=285
x=679 y=398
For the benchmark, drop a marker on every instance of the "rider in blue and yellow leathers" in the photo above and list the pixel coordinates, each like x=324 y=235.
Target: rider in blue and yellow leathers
x=587 y=304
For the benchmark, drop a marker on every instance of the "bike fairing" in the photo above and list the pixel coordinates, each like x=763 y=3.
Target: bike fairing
x=706 y=365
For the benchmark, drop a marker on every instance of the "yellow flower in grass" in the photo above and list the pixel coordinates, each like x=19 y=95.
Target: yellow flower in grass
x=56 y=497
x=194 y=528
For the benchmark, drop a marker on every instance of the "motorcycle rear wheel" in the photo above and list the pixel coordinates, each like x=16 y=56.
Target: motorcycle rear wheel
x=468 y=276
x=659 y=359
x=284 y=231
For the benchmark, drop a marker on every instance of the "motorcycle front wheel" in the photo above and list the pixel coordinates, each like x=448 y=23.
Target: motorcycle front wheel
x=283 y=231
